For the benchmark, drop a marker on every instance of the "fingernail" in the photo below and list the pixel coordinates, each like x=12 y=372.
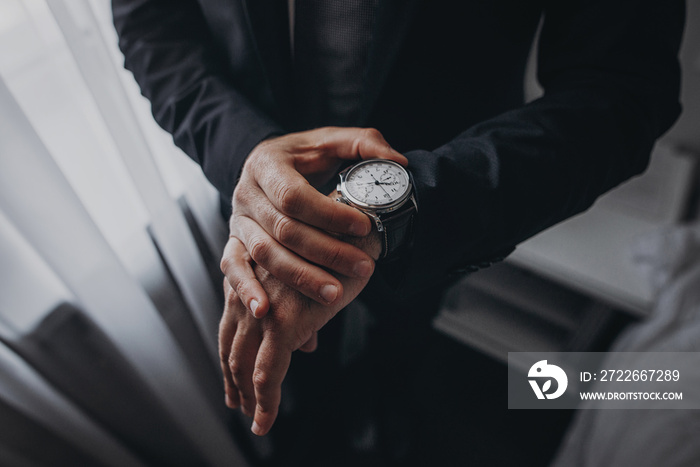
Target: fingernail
x=254 y=307
x=329 y=293
x=362 y=269
x=358 y=229
x=229 y=402
x=255 y=428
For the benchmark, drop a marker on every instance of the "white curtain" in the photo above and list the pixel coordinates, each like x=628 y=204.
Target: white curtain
x=109 y=238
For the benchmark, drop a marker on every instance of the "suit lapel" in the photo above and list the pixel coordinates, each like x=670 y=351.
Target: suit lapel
x=393 y=21
x=268 y=21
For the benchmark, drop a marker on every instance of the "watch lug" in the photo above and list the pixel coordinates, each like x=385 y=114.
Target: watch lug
x=377 y=221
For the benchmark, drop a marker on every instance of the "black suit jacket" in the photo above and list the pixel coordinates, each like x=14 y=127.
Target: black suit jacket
x=445 y=86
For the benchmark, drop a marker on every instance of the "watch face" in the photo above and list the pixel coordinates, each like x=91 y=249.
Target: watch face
x=377 y=183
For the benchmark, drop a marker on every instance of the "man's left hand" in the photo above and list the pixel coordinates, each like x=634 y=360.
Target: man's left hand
x=255 y=353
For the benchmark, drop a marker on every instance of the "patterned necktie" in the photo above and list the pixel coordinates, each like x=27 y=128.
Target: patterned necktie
x=331 y=47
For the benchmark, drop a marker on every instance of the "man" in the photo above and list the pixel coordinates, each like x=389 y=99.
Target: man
x=272 y=115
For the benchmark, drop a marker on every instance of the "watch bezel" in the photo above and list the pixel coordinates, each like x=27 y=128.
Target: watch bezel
x=379 y=209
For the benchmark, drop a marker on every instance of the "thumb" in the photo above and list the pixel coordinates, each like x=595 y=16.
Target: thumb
x=357 y=143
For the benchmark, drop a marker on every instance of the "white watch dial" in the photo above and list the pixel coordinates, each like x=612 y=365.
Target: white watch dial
x=377 y=183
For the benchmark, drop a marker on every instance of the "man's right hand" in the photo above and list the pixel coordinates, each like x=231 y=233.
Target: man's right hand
x=285 y=222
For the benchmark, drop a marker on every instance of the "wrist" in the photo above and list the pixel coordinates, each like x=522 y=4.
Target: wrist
x=258 y=147
x=383 y=190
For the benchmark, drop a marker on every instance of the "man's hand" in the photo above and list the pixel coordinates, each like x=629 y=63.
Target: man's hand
x=255 y=353
x=285 y=224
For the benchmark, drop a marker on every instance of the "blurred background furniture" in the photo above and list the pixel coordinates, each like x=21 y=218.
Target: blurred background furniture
x=571 y=286
x=109 y=247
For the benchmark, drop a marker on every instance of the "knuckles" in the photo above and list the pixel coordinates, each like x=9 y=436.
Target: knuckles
x=225 y=264
x=300 y=277
x=372 y=133
x=262 y=380
x=260 y=250
x=237 y=370
x=302 y=335
x=265 y=408
x=334 y=257
x=224 y=355
x=241 y=287
x=289 y=198
x=286 y=230
x=242 y=195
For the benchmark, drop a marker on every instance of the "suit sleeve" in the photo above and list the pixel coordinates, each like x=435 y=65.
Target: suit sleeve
x=611 y=77
x=167 y=47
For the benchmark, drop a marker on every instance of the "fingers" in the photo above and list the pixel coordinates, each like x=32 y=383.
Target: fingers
x=270 y=368
x=321 y=248
x=255 y=356
x=235 y=264
x=354 y=143
x=286 y=266
x=312 y=244
x=241 y=363
x=291 y=194
x=227 y=329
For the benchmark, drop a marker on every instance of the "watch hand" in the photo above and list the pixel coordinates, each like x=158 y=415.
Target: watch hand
x=376 y=182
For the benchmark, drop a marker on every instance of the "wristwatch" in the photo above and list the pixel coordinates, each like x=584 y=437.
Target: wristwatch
x=384 y=191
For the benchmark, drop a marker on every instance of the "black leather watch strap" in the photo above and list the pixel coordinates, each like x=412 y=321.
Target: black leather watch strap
x=397 y=232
